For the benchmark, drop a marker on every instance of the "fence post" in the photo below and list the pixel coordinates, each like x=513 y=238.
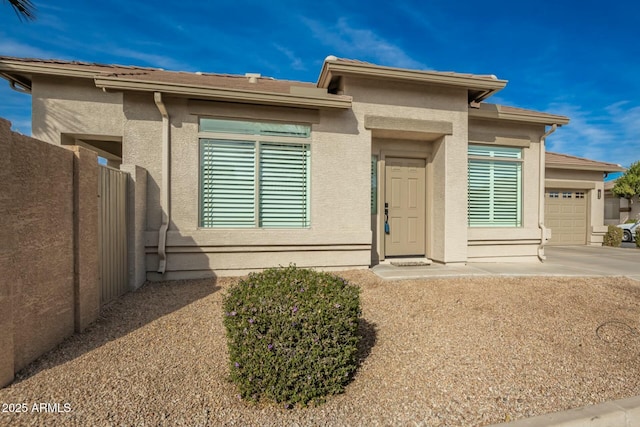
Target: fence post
x=85 y=230
x=136 y=224
x=7 y=248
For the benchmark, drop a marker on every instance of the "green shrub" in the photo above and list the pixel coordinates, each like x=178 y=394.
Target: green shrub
x=613 y=237
x=292 y=334
x=637 y=237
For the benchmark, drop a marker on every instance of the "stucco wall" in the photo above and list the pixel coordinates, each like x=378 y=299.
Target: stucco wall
x=339 y=235
x=590 y=181
x=631 y=209
x=445 y=154
x=492 y=244
x=73 y=106
x=48 y=255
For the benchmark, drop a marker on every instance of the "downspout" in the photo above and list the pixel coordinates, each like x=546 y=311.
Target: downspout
x=543 y=229
x=19 y=88
x=16 y=84
x=164 y=191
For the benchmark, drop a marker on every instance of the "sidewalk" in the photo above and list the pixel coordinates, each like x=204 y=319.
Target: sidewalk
x=561 y=261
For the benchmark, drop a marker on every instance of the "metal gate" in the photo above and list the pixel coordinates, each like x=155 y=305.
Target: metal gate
x=112 y=231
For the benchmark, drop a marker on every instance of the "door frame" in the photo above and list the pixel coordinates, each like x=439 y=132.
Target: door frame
x=381 y=184
x=572 y=188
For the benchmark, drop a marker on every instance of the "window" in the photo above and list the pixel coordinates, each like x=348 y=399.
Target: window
x=495 y=186
x=254 y=174
x=567 y=195
x=554 y=195
x=579 y=195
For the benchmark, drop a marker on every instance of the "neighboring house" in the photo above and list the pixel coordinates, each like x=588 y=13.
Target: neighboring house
x=367 y=164
x=618 y=210
x=574 y=199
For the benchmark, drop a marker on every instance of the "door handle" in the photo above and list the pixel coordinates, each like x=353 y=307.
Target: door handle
x=387 y=229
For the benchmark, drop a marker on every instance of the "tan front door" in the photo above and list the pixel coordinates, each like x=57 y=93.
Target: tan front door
x=405 y=198
x=565 y=213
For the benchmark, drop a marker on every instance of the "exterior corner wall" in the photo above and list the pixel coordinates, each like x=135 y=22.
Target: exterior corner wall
x=73 y=106
x=137 y=220
x=142 y=146
x=450 y=234
x=86 y=244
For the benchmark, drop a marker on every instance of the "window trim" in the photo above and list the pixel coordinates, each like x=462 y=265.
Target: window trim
x=492 y=159
x=257 y=140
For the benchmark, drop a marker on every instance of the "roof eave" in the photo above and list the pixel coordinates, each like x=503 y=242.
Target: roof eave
x=330 y=68
x=12 y=66
x=603 y=168
x=519 y=116
x=225 y=94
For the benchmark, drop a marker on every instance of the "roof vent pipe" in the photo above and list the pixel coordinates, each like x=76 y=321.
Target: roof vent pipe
x=253 y=77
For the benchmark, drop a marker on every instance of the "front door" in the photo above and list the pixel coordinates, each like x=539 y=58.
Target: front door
x=405 y=204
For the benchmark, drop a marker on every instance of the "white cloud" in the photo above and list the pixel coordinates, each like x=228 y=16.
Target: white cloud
x=149 y=58
x=608 y=135
x=13 y=48
x=358 y=43
x=295 y=62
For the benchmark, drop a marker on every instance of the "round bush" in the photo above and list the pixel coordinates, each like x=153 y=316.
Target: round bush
x=292 y=334
x=613 y=237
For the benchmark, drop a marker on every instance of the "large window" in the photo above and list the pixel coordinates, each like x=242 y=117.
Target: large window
x=495 y=186
x=254 y=174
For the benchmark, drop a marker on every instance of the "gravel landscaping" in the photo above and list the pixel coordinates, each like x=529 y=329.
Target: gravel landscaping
x=451 y=352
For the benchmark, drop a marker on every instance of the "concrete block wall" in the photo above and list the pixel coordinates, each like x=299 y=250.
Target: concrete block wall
x=48 y=247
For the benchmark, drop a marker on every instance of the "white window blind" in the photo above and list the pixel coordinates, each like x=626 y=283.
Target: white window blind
x=495 y=186
x=256 y=180
x=284 y=185
x=227 y=180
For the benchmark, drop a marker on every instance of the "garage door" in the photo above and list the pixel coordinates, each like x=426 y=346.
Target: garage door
x=565 y=213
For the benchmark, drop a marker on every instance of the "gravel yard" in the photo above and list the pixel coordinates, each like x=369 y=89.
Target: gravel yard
x=452 y=352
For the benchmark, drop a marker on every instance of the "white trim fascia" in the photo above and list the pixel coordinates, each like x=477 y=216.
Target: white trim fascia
x=369 y=70
x=237 y=95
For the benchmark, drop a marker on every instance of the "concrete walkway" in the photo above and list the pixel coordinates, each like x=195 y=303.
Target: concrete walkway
x=561 y=261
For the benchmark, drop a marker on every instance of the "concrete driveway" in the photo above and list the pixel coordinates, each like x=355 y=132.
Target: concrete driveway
x=561 y=261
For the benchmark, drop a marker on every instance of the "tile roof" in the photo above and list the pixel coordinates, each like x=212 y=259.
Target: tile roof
x=148 y=74
x=564 y=161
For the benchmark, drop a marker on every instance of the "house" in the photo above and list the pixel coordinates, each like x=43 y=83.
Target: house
x=575 y=199
x=371 y=163
x=618 y=210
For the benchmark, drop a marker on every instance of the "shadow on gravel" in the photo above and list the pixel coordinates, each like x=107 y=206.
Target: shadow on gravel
x=369 y=337
x=124 y=315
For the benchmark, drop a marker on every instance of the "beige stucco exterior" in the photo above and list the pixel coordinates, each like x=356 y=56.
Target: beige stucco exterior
x=619 y=210
x=356 y=112
x=592 y=182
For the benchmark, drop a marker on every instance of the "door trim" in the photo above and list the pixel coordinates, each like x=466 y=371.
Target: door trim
x=383 y=155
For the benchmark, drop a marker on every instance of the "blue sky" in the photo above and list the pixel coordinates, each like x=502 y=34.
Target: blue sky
x=576 y=58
